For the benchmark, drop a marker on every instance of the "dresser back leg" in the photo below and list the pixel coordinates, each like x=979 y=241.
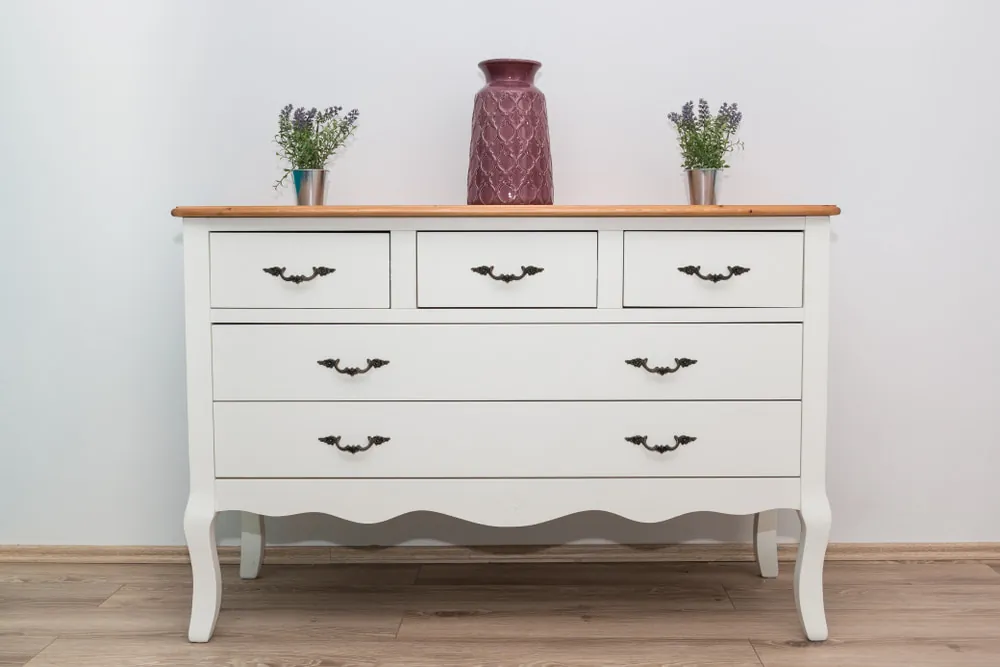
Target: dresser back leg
x=765 y=542
x=251 y=545
x=815 y=518
x=199 y=531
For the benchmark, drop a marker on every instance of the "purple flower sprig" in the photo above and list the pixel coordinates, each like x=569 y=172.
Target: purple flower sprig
x=706 y=139
x=308 y=138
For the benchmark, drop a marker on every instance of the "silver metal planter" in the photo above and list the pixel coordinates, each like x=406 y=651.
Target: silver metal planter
x=701 y=186
x=310 y=186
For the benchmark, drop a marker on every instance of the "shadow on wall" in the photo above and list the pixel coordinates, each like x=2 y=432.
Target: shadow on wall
x=430 y=528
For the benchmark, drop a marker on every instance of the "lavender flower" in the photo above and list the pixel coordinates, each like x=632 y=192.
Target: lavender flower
x=704 y=114
x=308 y=138
x=705 y=140
x=687 y=112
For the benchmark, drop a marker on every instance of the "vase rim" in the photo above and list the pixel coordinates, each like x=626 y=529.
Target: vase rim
x=522 y=61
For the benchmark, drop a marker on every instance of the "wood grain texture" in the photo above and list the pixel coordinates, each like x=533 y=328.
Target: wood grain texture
x=439 y=600
x=881 y=653
x=563 y=553
x=16 y=596
x=880 y=614
x=261 y=625
x=167 y=652
x=18 y=649
x=729 y=574
x=655 y=211
x=954 y=597
x=612 y=622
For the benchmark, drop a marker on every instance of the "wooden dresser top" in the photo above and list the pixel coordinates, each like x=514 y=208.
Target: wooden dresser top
x=729 y=211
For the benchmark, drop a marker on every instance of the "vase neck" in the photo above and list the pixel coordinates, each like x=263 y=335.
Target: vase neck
x=510 y=72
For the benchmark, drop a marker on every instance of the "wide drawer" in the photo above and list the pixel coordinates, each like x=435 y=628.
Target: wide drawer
x=713 y=269
x=507 y=269
x=299 y=270
x=506 y=361
x=497 y=439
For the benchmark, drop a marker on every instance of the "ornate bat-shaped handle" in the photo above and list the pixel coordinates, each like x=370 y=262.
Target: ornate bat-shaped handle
x=713 y=277
x=279 y=272
x=507 y=277
x=660 y=449
x=353 y=370
x=373 y=440
x=643 y=363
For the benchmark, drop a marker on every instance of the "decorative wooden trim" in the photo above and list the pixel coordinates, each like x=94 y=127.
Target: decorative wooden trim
x=502 y=211
x=605 y=553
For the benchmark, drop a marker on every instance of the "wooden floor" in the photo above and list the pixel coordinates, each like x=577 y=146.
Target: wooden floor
x=718 y=615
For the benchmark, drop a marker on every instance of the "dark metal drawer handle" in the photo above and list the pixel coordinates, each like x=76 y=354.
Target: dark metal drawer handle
x=353 y=370
x=373 y=440
x=279 y=272
x=713 y=277
x=683 y=362
x=507 y=277
x=660 y=449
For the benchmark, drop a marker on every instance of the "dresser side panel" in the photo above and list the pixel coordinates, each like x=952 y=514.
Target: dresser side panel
x=198 y=343
x=815 y=343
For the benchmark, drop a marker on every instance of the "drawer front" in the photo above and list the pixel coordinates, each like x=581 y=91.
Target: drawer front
x=507 y=361
x=507 y=269
x=706 y=269
x=497 y=439
x=360 y=276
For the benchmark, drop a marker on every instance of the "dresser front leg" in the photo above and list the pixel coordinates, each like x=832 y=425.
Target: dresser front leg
x=815 y=519
x=251 y=545
x=765 y=542
x=199 y=531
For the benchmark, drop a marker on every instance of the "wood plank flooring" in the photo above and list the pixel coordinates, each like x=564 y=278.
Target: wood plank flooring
x=503 y=614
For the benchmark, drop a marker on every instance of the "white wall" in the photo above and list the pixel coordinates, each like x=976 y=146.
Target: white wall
x=112 y=112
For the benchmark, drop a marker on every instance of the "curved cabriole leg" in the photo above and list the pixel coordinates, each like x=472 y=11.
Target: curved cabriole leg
x=199 y=531
x=765 y=542
x=251 y=545
x=815 y=518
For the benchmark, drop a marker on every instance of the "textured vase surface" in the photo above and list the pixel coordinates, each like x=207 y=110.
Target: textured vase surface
x=510 y=161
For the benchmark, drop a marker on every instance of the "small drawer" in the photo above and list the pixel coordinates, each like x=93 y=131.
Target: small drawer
x=713 y=269
x=299 y=270
x=516 y=439
x=507 y=269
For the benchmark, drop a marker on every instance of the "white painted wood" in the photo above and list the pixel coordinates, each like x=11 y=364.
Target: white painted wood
x=445 y=278
x=765 y=542
x=652 y=260
x=740 y=224
x=485 y=401
x=610 y=249
x=251 y=545
x=507 y=362
x=199 y=515
x=198 y=348
x=815 y=507
x=403 y=273
x=508 y=502
x=508 y=439
x=808 y=586
x=507 y=315
x=206 y=596
x=360 y=279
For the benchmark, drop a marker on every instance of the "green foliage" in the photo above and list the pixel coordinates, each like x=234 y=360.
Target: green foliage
x=706 y=139
x=308 y=138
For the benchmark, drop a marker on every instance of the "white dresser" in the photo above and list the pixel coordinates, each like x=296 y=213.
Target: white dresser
x=507 y=366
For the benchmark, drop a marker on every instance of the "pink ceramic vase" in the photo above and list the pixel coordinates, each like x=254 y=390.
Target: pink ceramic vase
x=509 y=157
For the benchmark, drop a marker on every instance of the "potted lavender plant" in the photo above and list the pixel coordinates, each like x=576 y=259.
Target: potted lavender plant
x=307 y=140
x=705 y=140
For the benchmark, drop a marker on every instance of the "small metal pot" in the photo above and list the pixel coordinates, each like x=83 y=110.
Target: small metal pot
x=310 y=186
x=701 y=186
